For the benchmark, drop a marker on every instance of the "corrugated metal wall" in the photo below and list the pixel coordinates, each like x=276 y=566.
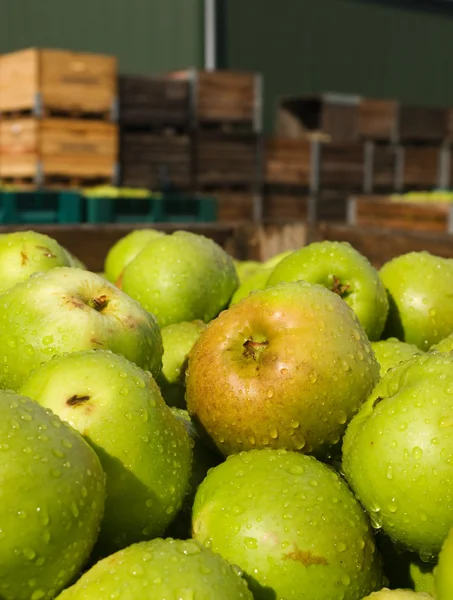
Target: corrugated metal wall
x=146 y=35
x=304 y=46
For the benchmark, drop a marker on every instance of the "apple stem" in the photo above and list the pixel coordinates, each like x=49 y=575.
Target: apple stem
x=252 y=348
x=341 y=289
x=76 y=400
x=98 y=303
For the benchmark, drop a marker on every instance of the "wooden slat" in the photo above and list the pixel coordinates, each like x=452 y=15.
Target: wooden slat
x=342 y=166
x=383 y=212
x=421 y=167
x=422 y=124
x=234 y=206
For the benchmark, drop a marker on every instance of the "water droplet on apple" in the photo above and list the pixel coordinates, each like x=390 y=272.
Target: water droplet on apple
x=313 y=376
x=270 y=392
x=296 y=470
x=284 y=371
x=445 y=422
x=29 y=554
x=417 y=452
x=390 y=472
x=295 y=424
x=341 y=547
x=273 y=433
x=251 y=543
x=393 y=506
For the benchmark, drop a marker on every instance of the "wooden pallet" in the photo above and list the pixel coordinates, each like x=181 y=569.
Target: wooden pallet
x=46 y=150
x=222 y=99
x=381 y=211
x=153 y=161
x=228 y=161
x=57 y=82
x=154 y=102
x=378 y=119
x=335 y=115
x=287 y=162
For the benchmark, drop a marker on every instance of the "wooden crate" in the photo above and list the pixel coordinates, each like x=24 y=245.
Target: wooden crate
x=418 y=167
x=380 y=167
x=342 y=165
x=226 y=160
x=422 y=124
x=57 y=82
x=153 y=101
x=284 y=207
x=287 y=162
x=331 y=205
x=380 y=211
x=234 y=206
x=378 y=119
x=152 y=160
x=41 y=150
x=335 y=115
x=224 y=97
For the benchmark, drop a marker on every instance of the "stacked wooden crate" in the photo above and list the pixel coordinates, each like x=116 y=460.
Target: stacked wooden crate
x=326 y=126
x=155 y=137
x=226 y=136
x=56 y=110
x=404 y=145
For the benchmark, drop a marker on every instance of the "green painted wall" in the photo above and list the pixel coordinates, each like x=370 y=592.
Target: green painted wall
x=146 y=35
x=351 y=46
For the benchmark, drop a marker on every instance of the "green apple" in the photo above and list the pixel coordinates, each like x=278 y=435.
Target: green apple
x=291 y=523
x=419 y=285
x=272 y=262
x=287 y=367
x=127 y=248
x=340 y=268
x=26 y=252
x=445 y=345
x=181 y=277
x=245 y=268
x=386 y=594
x=391 y=352
x=203 y=460
x=443 y=573
x=398 y=453
x=161 y=570
x=178 y=340
x=257 y=281
x=66 y=310
x=144 y=450
x=52 y=493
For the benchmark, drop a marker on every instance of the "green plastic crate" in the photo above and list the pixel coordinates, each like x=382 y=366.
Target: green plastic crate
x=178 y=208
x=40 y=207
x=123 y=210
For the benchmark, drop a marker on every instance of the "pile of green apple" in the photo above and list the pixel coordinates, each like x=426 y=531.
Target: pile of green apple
x=186 y=426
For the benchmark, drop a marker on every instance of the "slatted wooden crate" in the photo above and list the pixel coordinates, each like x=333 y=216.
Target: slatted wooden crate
x=331 y=205
x=380 y=167
x=234 y=206
x=380 y=211
x=342 y=165
x=58 y=82
x=287 y=162
x=226 y=160
x=418 y=167
x=154 y=102
x=422 y=124
x=222 y=98
x=284 y=207
x=154 y=161
x=42 y=151
x=378 y=119
x=336 y=115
